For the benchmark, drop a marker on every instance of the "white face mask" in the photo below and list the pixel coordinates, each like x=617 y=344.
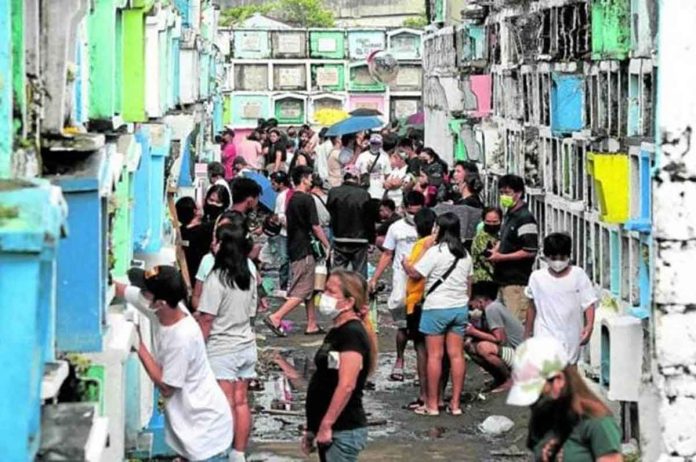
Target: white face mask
x=327 y=306
x=558 y=266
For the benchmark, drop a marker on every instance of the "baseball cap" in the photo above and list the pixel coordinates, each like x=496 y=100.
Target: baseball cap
x=350 y=171
x=536 y=360
x=164 y=282
x=376 y=139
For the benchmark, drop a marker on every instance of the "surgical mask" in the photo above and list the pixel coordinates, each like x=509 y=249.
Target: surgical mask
x=328 y=306
x=374 y=149
x=558 y=266
x=507 y=201
x=491 y=229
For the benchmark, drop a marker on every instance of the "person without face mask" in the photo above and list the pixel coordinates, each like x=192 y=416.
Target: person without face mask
x=398 y=243
x=568 y=422
x=303 y=225
x=492 y=341
x=554 y=313
x=513 y=257
x=198 y=421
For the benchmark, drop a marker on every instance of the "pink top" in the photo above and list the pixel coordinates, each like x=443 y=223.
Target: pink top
x=251 y=152
x=229 y=152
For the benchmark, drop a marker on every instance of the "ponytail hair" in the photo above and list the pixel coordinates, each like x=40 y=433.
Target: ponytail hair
x=231 y=257
x=354 y=286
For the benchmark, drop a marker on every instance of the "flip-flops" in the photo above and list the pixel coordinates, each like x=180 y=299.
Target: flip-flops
x=454 y=412
x=397 y=374
x=422 y=410
x=319 y=331
x=415 y=404
x=275 y=329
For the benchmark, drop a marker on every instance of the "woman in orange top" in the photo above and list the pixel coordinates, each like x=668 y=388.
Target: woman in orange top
x=415 y=290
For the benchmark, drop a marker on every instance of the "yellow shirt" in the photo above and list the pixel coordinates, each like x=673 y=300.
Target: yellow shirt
x=415 y=289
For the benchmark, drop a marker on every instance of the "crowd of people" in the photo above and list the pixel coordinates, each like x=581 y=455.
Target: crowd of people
x=463 y=286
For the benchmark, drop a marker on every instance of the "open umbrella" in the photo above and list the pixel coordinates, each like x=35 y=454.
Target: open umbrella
x=364 y=111
x=268 y=195
x=354 y=124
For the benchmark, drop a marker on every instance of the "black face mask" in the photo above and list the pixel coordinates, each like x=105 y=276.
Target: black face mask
x=492 y=229
x=212 y=211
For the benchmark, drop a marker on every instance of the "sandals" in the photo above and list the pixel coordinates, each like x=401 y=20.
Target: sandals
x=415 y=404
x=397 y=375
x=454 y=412
x=422 y=410
x=319 y=331
x=275 y=329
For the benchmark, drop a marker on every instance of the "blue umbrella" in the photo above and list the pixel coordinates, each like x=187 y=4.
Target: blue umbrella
x=354 y=124
x=268 y=195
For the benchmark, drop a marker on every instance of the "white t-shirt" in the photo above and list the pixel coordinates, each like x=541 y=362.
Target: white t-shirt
x=233 y=308
x=206 y=266
x=397 y=195
x=400 y=239
x=378 y=173
x=280 y=208
x=198 y=422
x=454 y=291
x=560 y=305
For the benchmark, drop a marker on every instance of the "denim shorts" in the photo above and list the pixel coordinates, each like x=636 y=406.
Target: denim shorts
x=240 y=365
x=345 y=446
x=443 y=321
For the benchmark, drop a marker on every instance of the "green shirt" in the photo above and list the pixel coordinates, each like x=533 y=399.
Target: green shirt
x=483 y=269
x=590 y=439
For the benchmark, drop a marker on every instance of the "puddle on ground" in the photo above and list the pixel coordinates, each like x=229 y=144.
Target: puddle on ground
x=279 y=405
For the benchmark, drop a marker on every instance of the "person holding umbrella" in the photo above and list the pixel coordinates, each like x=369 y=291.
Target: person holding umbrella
x=374 y=166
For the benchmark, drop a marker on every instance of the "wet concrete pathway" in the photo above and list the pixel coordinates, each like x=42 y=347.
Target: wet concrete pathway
x=395 y=433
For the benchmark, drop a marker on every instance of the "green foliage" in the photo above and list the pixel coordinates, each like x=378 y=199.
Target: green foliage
x=232 y=16
x=299 y=13
x=419 y=22
x=306 y=13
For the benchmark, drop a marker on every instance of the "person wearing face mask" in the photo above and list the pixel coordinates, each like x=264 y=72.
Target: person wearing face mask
x=374 y=164
x=568 y=422
x=336 y=420
x=217 y=200
x=486 y=238
x=513 y=257
x=198 y=421
x=563 y=299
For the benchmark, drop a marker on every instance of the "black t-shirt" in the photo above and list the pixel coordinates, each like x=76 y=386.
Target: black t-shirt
x=351 y=336
x=301 y=215
x=518 y=232
x=196 y=243
x=471 y=201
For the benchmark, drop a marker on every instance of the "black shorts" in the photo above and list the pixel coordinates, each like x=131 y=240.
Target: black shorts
x=413 y=322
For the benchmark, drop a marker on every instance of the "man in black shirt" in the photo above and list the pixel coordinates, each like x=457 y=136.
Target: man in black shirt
x=513 y=257
x=303 y=222
x=351 y=222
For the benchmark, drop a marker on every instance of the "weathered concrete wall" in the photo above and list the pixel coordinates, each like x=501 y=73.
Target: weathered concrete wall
x=675 y=231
